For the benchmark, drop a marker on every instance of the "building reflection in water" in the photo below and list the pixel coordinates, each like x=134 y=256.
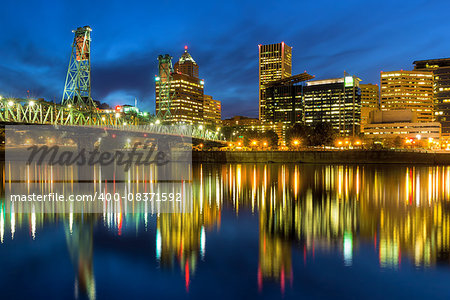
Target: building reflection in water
x=401 y=211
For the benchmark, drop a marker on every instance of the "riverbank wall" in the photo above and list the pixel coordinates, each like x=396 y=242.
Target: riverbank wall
x=324 y=157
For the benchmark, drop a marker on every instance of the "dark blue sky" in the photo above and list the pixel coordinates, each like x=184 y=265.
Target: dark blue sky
x=328 y=37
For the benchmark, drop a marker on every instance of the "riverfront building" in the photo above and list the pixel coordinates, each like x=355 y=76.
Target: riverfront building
x=441 y=90
x=385 y=125
x=275 y=63
x=408 y=90
x=240 y=121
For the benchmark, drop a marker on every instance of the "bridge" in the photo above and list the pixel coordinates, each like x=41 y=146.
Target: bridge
x=15 y=111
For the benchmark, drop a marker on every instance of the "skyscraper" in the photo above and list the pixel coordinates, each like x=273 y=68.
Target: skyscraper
x=186 y=65
x=369 y=101
x=186 y=90
x=284 y=100
x=441 y=95
x=275 y=63
x=408 y=90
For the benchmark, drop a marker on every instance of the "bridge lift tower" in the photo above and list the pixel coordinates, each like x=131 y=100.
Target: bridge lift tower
x=77 y=89
x=163 y=86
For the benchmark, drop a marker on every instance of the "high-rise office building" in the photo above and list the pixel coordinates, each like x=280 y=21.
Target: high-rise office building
x=441 y=95
x=275 y=63
x=212 y=110
x=336 y=101
x=284 y=100
x=408 y=90
x=186 y=90
x=369 y=101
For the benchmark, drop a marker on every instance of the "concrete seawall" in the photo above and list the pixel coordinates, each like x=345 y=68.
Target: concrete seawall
x=324 y=157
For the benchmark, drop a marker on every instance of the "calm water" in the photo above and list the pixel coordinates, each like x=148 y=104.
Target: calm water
x=271 y=231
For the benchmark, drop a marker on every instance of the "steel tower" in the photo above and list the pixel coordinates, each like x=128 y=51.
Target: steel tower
x=163 y=82
x=77 y=90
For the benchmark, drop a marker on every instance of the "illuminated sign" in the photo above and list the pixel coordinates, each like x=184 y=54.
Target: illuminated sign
x=348 y=81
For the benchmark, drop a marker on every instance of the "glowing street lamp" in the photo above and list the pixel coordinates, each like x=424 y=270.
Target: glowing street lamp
x=117 y=115
x=157 y=122
x=296 y=142
x=265 y=144
x=254 y=143
x=31 y=103
x=10 y=103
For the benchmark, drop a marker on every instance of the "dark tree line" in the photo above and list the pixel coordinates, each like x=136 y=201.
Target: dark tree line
x=317 y=135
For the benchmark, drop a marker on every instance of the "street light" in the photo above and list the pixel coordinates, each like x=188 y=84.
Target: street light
x=200 y=127
x=254 y=143
x=69 y=105
x=31 y=103
x=157 y=122
x=10 y=103
x=117 y=115
x=296 y=142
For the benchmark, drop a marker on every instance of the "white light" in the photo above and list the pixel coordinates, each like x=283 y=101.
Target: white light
x=31 y=103
x=128 y=140
x=157 y=122
x=117 y=115
x=200 y=127
x=10 y=103
x=418 y=136
x=124 y=123
x=103 y=118
x=69 y=105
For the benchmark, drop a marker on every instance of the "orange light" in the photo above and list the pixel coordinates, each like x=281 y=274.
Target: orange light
x=201 y=145
x=265 y=143
x=254 y=143
x=339 y=143
x=296 y=142
x=230 y=145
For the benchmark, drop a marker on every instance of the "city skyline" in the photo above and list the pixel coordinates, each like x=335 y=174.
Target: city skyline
x=125 y=50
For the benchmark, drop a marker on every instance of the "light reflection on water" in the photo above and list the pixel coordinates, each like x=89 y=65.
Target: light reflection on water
x=401 y=213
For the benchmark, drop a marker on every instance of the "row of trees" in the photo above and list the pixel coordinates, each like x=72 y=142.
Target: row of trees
x=317 y=135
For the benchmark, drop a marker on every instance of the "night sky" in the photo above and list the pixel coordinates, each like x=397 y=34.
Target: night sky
x=328 y=37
